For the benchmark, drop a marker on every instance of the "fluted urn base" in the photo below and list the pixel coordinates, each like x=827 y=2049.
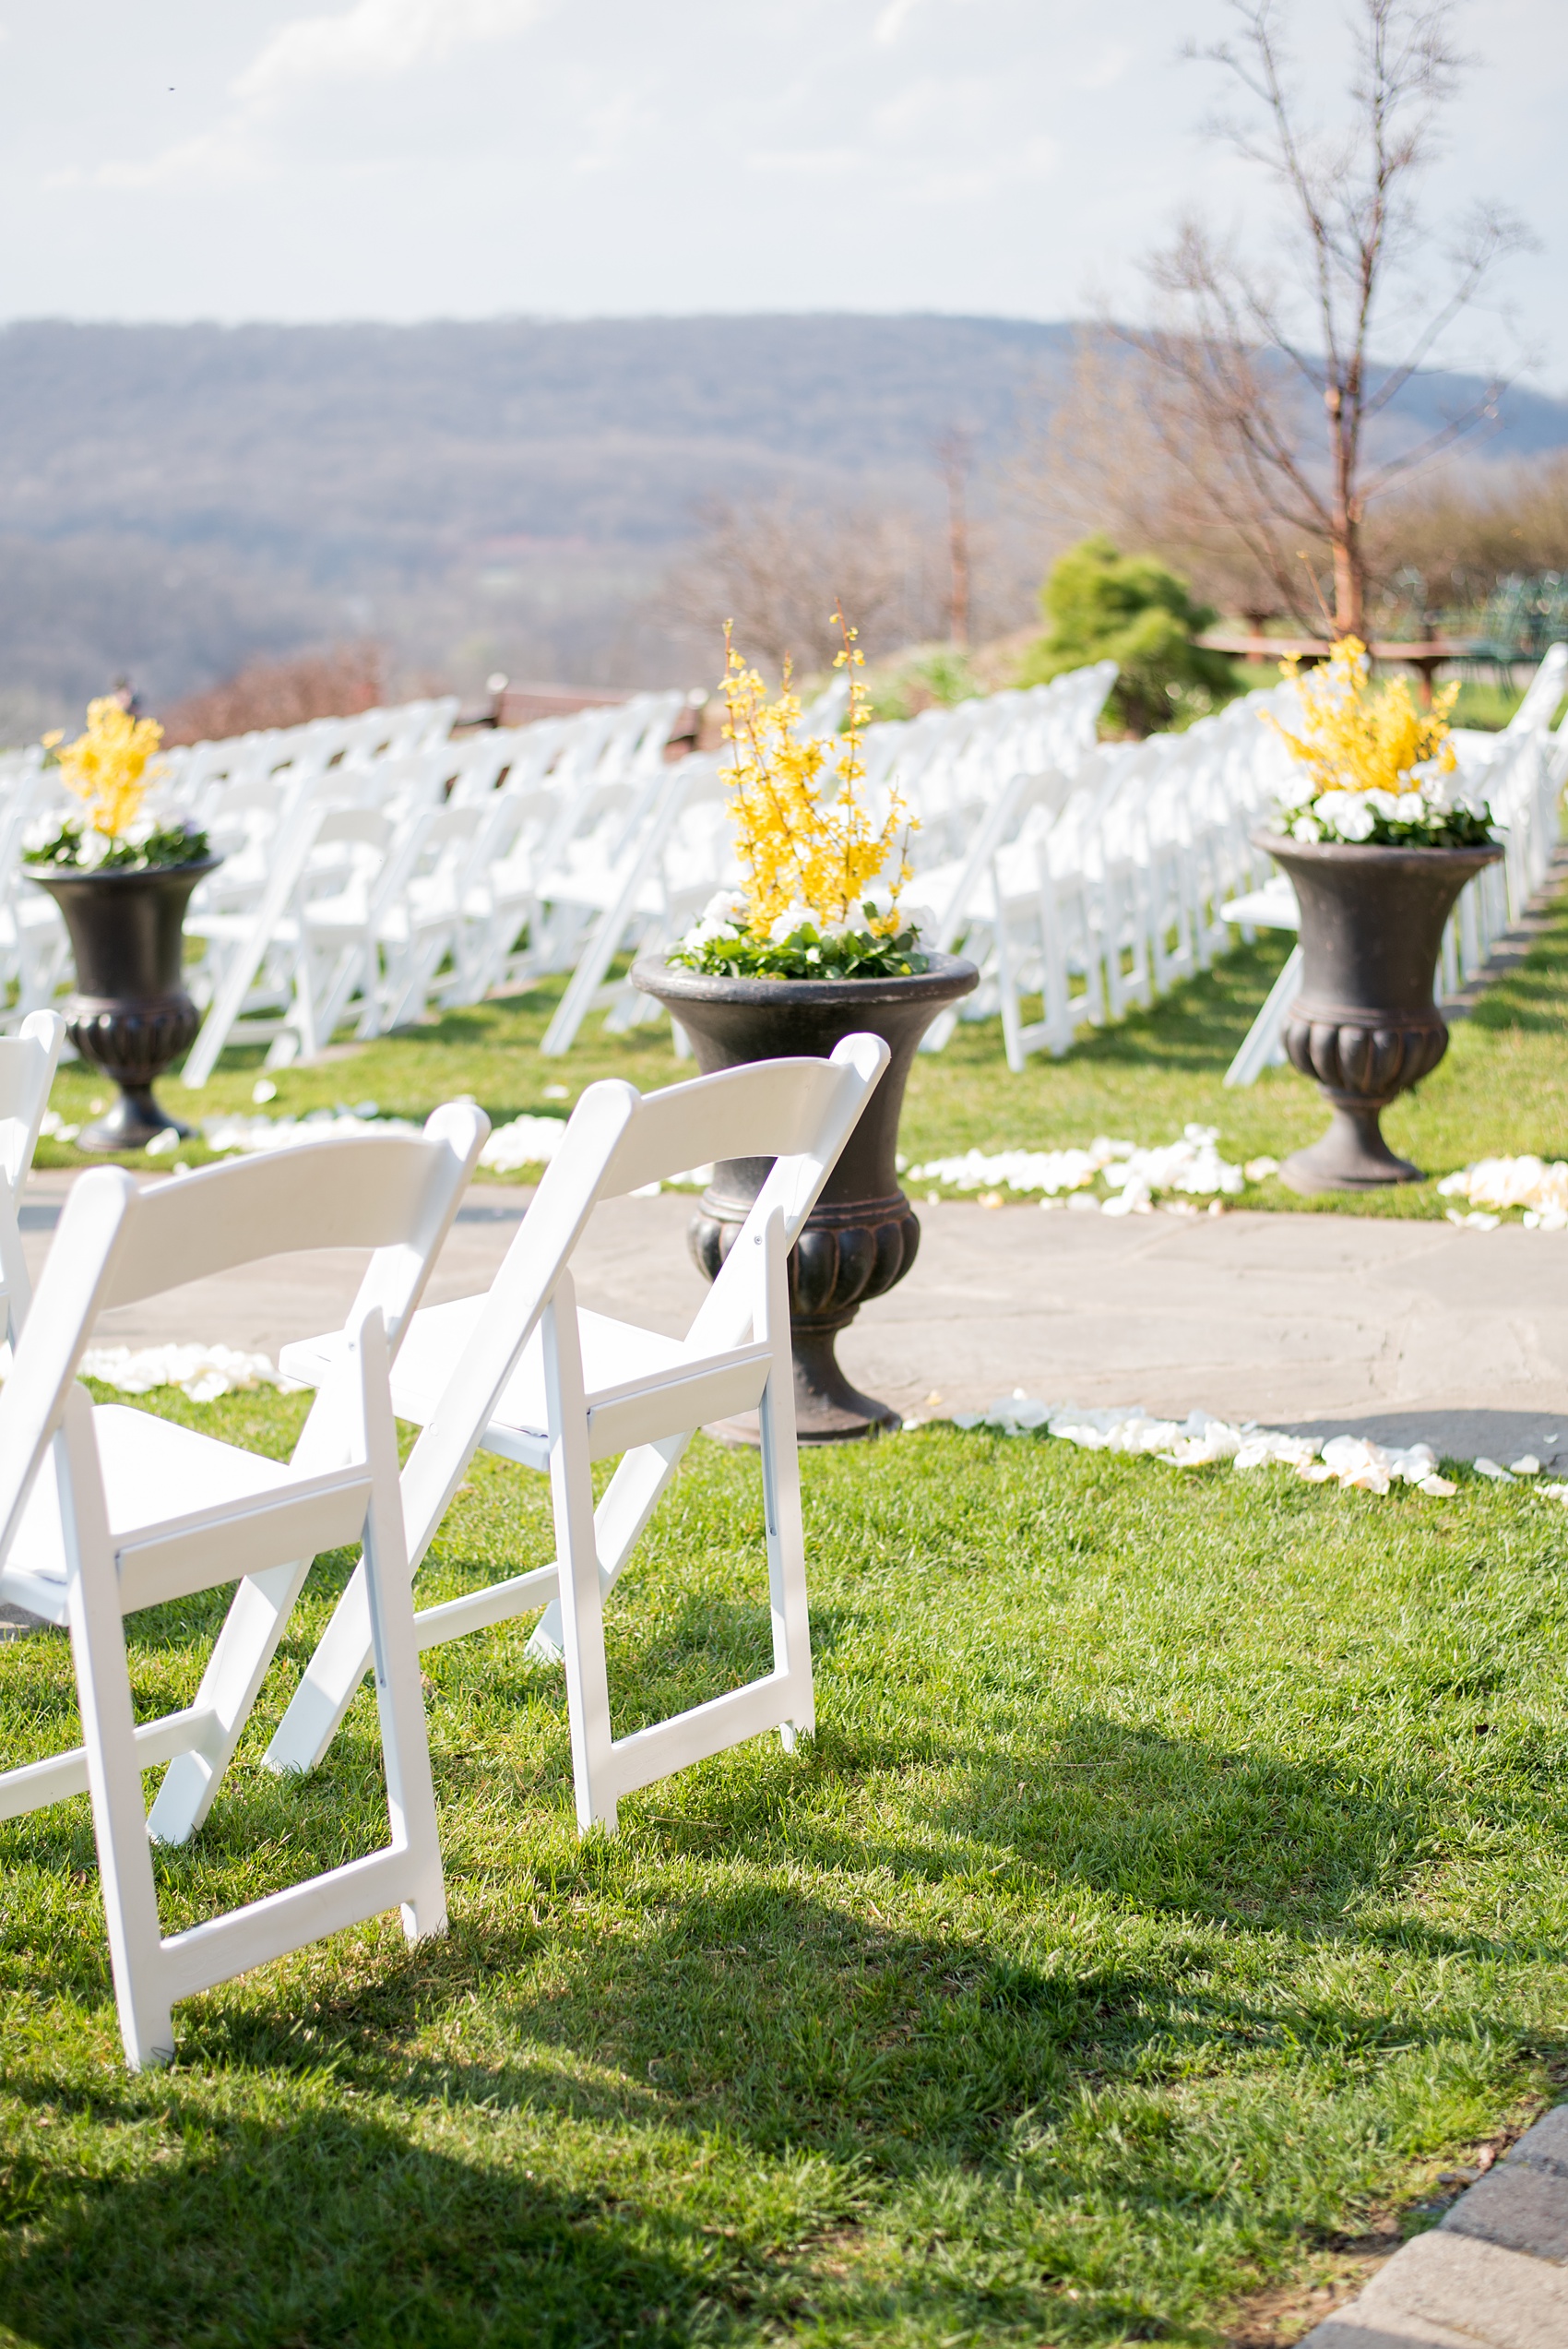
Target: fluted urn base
x=132 y=1044
x=1352 y=1156
x=863 y=1234
x=846 y=1256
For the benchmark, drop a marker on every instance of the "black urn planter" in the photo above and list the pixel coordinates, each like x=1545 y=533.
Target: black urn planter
x=863 y=1234
x=1365 y=1024
x=130 y=1015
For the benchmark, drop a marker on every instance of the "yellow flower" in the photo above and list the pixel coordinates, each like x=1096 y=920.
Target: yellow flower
x=1355 y=739
x=803 y=836
x=107 y=766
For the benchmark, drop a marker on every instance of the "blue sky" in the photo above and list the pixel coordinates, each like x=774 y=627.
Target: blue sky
x=408 y=158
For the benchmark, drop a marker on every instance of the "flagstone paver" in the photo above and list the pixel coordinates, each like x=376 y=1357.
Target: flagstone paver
x=1491 y=2276
x=1399 y=1330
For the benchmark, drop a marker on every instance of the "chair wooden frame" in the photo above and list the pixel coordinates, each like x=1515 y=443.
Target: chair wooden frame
x=465 y=1380
x=88 y=1532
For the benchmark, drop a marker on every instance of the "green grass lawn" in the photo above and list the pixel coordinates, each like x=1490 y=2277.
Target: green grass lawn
x=1503 y=1086
x=1177 y=1884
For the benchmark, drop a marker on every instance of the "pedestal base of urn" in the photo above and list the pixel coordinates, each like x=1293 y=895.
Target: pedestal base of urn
x=1352 y=1155
x=133 y=1122
x=132 y=1042
x=827 y=1409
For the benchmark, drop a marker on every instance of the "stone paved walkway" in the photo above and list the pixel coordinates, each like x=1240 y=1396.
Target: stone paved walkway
x=1493 y=2275
x=1400 y=1330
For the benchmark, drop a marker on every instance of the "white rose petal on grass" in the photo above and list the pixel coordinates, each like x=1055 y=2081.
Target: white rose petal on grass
x=201 y=1373
x=1484 y=1467
x=1526 y=1465
x=525 y=1142
x=1202 y=1440
x=165 y=1144
x=249 y=1135
x=1258 y=1170
x=1531 y=1184
x=263 y=1090
x=1193 y=1167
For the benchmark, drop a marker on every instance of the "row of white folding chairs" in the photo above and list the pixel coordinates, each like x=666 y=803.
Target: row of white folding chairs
x=276 y=804
x=105 y=1511
x=34 y=950
x=1099 y=891
x=1129 y=897
x=379 y=886
x=405 y=728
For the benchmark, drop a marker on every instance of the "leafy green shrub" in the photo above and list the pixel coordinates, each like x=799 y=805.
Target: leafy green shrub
x=942 y=675
x=1103 y=605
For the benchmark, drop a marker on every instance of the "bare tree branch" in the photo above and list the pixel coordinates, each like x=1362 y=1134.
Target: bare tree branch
x=1351 y=243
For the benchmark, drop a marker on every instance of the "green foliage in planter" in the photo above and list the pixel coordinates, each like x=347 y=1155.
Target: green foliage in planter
x=806 y=953
x=1103 y=605
x=75 y=846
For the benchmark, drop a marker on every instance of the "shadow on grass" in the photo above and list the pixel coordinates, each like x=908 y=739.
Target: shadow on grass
x=748 y=1967
x=335 y=2227
x=804 y=2018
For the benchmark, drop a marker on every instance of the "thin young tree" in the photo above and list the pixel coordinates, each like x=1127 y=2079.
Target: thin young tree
x=1246 y=348
x=953 y=451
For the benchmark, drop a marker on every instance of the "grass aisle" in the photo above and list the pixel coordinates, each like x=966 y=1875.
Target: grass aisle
x=1177 y=1881
x=1503 y=1087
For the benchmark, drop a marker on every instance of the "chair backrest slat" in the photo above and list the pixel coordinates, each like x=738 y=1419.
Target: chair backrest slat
x=768 y=1109
x=116 y=1244
x=270 y=1206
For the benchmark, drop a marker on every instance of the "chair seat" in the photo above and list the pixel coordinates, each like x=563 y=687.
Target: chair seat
x=155 y=1476
x=613 y=1353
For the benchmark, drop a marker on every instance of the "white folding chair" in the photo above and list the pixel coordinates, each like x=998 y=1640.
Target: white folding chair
x=106 y=1510
x=28 y=1062
x=521 y=1373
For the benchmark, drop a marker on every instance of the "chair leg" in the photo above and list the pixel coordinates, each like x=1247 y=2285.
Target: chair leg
x=252 y=1628
x=630 y=1499
x=782 y=1500
x=327 y=1687
x=405 y=1737
x=239 y=1663
x=119 y=1818
x=582 y=1602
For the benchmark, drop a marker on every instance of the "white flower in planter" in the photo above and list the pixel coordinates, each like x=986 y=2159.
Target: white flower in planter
x=1347 y=813
x=794 y=917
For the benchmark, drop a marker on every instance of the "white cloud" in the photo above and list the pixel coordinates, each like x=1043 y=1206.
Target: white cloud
x=890 y=23
x=1108 y=68
x=377 y=37
x=224 y=157
x=611 y=132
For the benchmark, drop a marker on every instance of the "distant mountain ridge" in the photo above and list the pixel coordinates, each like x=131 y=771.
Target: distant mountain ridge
x=175 y=498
